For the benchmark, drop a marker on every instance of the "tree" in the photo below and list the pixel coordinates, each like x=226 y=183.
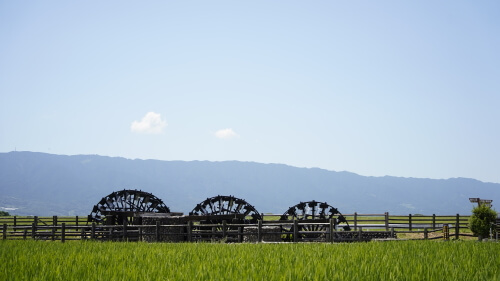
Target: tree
x=4 y=213
x=480 y=221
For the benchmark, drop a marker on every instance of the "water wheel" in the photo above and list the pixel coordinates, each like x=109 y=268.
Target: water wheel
x=122 y=206
x=313 y=211
x=221 y=208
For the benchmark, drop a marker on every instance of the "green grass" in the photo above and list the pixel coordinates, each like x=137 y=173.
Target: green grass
x=397 y=260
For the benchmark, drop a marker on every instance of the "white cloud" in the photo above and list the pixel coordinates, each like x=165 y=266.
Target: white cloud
x=226 y=134
x=151 y=123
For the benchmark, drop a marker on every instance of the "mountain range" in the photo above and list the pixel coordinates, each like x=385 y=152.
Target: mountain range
x=33 y=183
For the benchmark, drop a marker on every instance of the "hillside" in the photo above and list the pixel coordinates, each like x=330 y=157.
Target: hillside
x=46 y=184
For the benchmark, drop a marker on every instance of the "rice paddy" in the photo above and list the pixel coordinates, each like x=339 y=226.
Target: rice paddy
x=394 y=260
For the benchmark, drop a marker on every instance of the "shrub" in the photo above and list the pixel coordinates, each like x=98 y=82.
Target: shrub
x=480 y=221
x=4 y=213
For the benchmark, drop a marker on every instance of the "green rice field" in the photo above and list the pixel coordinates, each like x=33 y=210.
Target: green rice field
x=394 y=260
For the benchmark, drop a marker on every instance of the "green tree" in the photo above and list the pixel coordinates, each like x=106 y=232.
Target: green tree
x=480 y=221
x=4 y=213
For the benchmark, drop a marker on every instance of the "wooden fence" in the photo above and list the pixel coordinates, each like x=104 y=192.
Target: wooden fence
x=364 y=227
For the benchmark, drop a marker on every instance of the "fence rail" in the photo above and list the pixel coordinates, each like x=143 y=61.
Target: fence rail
x=363 y=227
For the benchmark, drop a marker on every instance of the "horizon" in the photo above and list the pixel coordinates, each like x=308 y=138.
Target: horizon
x=376 y=88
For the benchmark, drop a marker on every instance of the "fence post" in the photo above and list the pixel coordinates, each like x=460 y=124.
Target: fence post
x=355 y=221
x=63 y=232
x=331 y=226
x=33 y=230
x=4 y=231
x=214 y=231
x=125 y=234
x=259 y=231
x=140 y=233
x=409 y=222
x=76 y=223
x=446 y=232
x=82 y=233
x=224 y=232
x=433 y=221
x=54 y=220
x=190 y=231
x=35 y=220
x=15 y=221
x=53 y=233
x=457 y=227
x=386 y=221
x=295 y=230
x=426 y=235
x=240 y=234
x=157 y=231
x=92 y=233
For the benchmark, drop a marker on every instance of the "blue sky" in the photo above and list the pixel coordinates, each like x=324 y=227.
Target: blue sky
x=371 y=87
